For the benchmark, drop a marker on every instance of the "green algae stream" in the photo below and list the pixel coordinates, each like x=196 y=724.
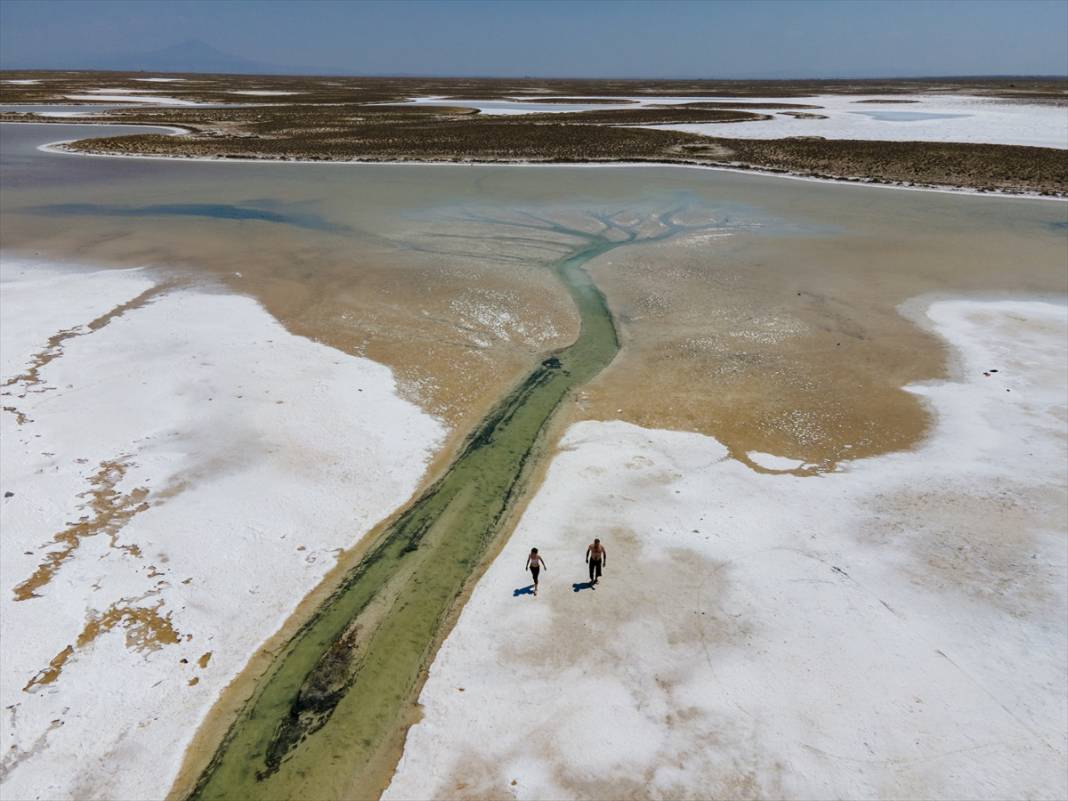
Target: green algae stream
x=321 y=720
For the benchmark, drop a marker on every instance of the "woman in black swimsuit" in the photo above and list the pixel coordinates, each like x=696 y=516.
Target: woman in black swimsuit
x=534 y=564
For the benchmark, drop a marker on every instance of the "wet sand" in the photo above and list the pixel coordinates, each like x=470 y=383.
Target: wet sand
x=794 y=346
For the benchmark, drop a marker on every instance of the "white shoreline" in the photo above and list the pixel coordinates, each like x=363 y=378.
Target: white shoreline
x=58 y=149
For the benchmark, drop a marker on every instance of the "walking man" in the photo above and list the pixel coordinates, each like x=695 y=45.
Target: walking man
x=534 y=564
x=596 y=558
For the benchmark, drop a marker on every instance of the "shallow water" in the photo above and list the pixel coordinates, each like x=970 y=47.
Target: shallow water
x=491 y=107
x=60 y=110
x=209 y=211
x=907 y=116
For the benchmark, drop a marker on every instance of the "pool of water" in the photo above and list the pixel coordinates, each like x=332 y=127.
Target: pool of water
x=60 y=109
x=210 y=211
x=83 y=109
x=907 y=116
x=504 y=107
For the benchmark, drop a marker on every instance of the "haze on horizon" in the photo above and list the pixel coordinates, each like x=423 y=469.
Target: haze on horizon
x=761 y=39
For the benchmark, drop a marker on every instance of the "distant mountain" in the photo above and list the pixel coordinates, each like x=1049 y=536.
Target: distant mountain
x=189 y=56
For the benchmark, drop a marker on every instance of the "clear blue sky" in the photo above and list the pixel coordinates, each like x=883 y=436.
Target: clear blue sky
x=796 y=38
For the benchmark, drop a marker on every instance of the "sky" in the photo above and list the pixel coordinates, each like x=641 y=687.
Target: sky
x=757 y=39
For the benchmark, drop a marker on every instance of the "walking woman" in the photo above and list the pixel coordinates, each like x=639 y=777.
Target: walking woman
x=534 y=564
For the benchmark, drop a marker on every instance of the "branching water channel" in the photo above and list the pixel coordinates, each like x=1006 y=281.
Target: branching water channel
x=325 y=718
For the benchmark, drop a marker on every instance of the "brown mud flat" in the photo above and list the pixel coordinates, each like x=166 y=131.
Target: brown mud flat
x=795 y=345
x=357 y=119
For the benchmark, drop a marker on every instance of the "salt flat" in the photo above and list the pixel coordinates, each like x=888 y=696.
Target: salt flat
x=939 y=118
x=262 y=92
x=895 y=629
x=129 y=96
x=177 y=475
x=953 y=118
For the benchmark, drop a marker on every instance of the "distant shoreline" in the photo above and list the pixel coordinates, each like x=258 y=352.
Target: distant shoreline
x=1009 y=149
x=59 y=148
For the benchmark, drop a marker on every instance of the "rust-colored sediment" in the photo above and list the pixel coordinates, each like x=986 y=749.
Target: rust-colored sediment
x=146 y=630
x=792 y=346
x=51 y=673
x=20 y=417
x=53 y=349
x=111 y=511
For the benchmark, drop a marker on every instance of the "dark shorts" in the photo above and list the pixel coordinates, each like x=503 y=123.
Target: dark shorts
x=595 y=569
x=534 y=571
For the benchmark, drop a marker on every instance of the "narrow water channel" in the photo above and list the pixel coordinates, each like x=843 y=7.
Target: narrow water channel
x=342 y=688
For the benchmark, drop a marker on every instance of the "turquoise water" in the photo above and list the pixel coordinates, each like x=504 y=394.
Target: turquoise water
x=212 y=211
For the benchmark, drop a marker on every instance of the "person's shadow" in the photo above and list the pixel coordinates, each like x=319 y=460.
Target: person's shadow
x=528 y=590
x=580 y=586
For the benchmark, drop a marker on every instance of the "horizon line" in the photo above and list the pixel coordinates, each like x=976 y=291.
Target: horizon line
x=486 y=76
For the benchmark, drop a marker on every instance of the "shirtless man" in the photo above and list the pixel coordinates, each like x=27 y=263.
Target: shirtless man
x=596 y=558
x=534 y=564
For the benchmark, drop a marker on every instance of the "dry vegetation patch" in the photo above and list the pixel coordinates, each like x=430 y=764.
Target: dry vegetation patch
x=364 y=119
